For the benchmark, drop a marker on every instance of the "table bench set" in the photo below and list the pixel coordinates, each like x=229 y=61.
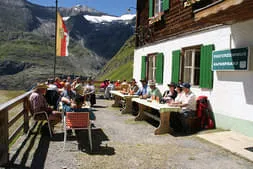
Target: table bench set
x=144 y=104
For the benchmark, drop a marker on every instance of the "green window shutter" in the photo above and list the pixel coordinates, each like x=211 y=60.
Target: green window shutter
x=206 y=74
x=159 y=68
x=151 y=8
x=143 y=67
x=175 y=65
x=166 y=5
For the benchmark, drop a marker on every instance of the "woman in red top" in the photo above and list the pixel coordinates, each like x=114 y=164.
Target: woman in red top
x=58 y=83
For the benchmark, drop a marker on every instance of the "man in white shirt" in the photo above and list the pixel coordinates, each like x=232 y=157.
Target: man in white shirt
x=188 y=99
x=188 y=104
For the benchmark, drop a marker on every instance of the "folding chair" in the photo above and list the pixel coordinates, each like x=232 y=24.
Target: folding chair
x=77 y=121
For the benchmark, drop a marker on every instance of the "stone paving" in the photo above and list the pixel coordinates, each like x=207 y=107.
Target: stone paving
x=120 y=143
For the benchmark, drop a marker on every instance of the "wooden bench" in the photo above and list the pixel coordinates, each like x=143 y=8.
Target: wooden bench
x=164 y=111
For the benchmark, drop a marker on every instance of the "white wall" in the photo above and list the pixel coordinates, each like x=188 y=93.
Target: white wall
x=232 y=93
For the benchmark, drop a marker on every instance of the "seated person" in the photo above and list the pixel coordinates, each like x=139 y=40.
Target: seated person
x=53 y=94
x=117 y=85
x=76 y=106
x=58 y=83
x=38 y=103
x=89 y=92
x=78 y=87
x=133 y=88
x=179 y=90
x=169 y=95
x=153 y=91
x=67 y=97
x=142 y=90
x=124 y=87
x=69 y=80
x=187 y=103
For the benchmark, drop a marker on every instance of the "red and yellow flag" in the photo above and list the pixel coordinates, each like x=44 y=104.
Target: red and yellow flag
x=62 y=37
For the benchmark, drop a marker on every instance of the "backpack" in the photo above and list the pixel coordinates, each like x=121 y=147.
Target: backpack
x=204 y=113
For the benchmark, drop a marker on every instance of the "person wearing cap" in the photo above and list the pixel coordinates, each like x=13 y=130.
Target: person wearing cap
x=153 y=91
x=38 y=102
x=171 y=94
x=143 y=90
x=187 y=103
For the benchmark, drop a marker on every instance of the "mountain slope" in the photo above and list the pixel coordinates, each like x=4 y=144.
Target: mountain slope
x=27 y=42
x=121 y=65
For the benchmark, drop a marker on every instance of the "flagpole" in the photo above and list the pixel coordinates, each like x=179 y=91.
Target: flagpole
x=56 y=13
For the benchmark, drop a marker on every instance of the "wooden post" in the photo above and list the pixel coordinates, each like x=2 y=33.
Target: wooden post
x=4 y=137
x=26 y=114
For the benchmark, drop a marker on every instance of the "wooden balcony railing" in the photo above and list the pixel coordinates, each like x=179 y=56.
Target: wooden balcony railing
x=5 y=123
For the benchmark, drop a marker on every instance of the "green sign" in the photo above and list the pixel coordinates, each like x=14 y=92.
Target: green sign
x=233 y=59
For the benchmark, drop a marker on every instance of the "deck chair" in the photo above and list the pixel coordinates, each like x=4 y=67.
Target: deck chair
x=77 y=121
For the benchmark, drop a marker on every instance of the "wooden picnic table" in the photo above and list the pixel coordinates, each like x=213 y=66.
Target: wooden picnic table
x=164 y=110
x=118 y=96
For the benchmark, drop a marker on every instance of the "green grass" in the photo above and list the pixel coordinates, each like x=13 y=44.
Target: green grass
x=121 y=65
x=123 y=72
x=6 y=95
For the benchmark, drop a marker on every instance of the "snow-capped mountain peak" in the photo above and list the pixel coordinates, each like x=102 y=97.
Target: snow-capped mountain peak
x=108 y=18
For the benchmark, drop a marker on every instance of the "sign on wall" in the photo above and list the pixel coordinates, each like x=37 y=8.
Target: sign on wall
x=232 y=59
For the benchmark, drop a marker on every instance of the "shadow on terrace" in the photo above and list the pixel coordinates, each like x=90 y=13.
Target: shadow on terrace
x=32 y=150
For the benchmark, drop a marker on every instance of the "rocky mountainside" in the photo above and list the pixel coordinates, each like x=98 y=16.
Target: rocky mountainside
x=27 y=41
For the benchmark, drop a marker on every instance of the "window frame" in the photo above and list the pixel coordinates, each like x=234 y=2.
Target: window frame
x=153 y=56
x=192 y=67
x=160 y=7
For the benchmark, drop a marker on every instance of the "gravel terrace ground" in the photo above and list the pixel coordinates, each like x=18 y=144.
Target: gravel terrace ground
x=120 y=143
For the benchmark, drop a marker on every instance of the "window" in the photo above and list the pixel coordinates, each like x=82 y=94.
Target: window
x=199 y=5
x=193 y=65
x=152 y=67
x=158 y=8
x=190 y=70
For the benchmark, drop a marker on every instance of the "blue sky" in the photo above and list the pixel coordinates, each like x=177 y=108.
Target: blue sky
x=114 y=7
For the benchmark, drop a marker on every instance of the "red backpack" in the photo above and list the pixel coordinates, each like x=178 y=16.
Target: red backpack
x=204 y=113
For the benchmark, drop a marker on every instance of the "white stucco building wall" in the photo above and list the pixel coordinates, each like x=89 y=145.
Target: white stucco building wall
x=232 y=93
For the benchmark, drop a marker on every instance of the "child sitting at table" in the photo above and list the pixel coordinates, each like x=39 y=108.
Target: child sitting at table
x=76 y=106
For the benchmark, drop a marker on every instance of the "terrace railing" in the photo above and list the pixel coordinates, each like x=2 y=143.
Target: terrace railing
x=19 y=104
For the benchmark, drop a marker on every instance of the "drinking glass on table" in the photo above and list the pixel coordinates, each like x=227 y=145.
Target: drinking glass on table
x=157 y=99
x=153 y=97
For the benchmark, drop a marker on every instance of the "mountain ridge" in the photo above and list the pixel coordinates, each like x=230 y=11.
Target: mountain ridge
x=27 y=36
